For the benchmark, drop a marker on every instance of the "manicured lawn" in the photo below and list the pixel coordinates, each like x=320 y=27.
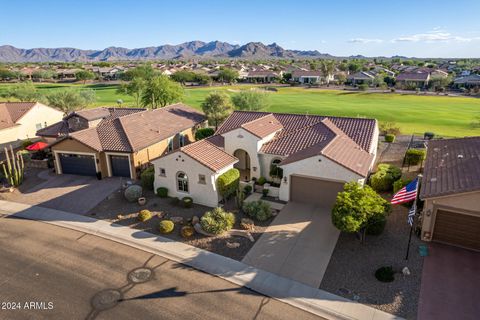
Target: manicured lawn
x=447 y=116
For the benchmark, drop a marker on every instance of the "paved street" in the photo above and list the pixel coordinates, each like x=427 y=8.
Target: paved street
x=87 y=277
x=297 y=245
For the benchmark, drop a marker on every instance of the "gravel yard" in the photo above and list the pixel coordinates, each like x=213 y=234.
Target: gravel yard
x=234 y=247
x=350 y=272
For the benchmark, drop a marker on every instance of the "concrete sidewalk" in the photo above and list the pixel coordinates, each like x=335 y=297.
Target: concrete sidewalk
x=297 y=245
x=310 y=299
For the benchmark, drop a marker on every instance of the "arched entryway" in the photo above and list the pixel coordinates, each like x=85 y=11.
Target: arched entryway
x=243 y=164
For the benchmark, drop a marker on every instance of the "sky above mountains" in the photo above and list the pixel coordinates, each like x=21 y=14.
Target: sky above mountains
x=424 y=28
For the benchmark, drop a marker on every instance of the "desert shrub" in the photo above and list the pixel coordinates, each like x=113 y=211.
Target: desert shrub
x=261 y=181
x=203 y=133
x=386 y=175
x=25 y=154
x=258 y=210
x=428 y=135
x=162 y=192
x=247 y=189
x=228 y=182
x=389 y=127
x=385 y=274
x=187 y=202
x=265 y=192
x=26 y=143
x=389 y=137
x=144 y=215
x=166 y=226
x=399 y=184
x=187 y=231
x=133 y=192
x=147 y=177
x=376 y=224
x=363 y=87
x=415 y=156
x=217 y=221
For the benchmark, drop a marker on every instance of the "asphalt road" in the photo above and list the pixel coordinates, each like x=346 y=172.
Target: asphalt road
x=48 y=272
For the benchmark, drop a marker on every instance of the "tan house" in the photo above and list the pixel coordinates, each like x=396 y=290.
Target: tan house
x=20 y=121
x=120 y=141
x=451 y=191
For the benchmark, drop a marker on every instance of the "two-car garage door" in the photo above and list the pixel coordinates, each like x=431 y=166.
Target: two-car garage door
x=315 y=191
x=457 y=229
x=80 y=164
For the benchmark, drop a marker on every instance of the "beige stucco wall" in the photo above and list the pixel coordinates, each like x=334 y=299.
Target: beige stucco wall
x=466 y=203
x=205 y=194
x=318 y=167
x=73 y=146
x=265 y=162
x=26 y=128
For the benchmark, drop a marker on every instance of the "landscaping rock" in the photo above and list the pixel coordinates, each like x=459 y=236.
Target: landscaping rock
x=177 y=219
x=247 y=224
x=232 y=245
x=199 y=229
x=274 y=212
x=133 y=192
x=406 y=271
x=241 y=233
x=195 y=220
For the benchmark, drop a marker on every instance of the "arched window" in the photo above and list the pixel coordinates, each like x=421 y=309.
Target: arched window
x=182 y=182
x=275 y=170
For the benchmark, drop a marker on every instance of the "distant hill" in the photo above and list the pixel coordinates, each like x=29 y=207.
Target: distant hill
x=192 y=49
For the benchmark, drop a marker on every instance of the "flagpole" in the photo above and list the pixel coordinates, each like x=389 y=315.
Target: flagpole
x=415 y=206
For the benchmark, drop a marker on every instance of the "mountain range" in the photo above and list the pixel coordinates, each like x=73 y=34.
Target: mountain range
x=192 y=49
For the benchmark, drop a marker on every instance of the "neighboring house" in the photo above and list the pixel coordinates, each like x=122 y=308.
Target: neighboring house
x=470 y=81
x=21 y=120
x=309 y=77
x=121 y=142
x=410 y=79
x=262 y=76
x=362 y=77
x=451 y=191
x=66 y=73
x=317 y=155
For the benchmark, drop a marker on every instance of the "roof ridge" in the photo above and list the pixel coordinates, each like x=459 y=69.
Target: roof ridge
x=342 y=133
x=295 y=131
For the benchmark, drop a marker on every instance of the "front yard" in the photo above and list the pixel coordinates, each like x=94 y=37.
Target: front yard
x=117 y=210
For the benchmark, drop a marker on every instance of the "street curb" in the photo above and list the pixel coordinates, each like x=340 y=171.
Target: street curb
x=315 y=301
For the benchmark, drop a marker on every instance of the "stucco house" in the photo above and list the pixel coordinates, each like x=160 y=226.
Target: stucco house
x=21 y=120
x=361 y=77
x=451 y=191
x=120 y=141
x=310 y=77
x=317 y=155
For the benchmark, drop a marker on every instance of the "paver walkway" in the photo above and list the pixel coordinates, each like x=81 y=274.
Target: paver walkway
x=450 y=284
x=313 y=300
x=298 y=244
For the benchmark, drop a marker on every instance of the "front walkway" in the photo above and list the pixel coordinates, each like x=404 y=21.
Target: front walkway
x=310 y=299
x=450 y=284
x=297 y=245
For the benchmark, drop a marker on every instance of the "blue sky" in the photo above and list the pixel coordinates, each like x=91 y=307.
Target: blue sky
x=422 y=28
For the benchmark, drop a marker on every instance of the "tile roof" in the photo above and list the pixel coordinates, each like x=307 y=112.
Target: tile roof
x=452 y=166
x=302 y=73
x=413 y=76
x=262 y=73
x=208 y=155
x=11 y=112
x=91 y=114
x=264 y=126
x=135 y=131
x=346 y=141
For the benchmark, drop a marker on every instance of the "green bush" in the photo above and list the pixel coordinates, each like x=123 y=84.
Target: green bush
x=203 y=133
x=415 y=156
x=166 y=226
x=383 y=179
x=144 y=215
x=265 y=192
x=363 y=87
x=162 y=192
x=258 y=210
x=133 y=192
x=376 y=225
x=217 y=221
x=276 y=171
x=228 y=182
x=26 y=143
x=187 y=202
x=147 y=177
x=389 y=138
x=385 y=274
x=247 y=189
x=399 y=184
x=261 y=181
x=187 y=231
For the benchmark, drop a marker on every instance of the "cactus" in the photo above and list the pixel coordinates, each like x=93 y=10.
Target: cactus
x=239 y=197
x=14 y=168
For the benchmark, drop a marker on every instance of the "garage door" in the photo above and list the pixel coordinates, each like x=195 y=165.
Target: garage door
x=457 y=229
x=315 y=191
x=120 y=166
x=77 y=164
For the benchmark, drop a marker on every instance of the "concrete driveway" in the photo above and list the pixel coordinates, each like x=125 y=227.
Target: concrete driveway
x=450 y=284
x=297 y=245
x=72 y=193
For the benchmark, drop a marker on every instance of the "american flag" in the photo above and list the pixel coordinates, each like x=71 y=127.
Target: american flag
x=411 y=214
x=407 y=193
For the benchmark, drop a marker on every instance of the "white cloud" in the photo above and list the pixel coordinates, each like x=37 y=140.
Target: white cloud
x=364 y=40
x=437 y=35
